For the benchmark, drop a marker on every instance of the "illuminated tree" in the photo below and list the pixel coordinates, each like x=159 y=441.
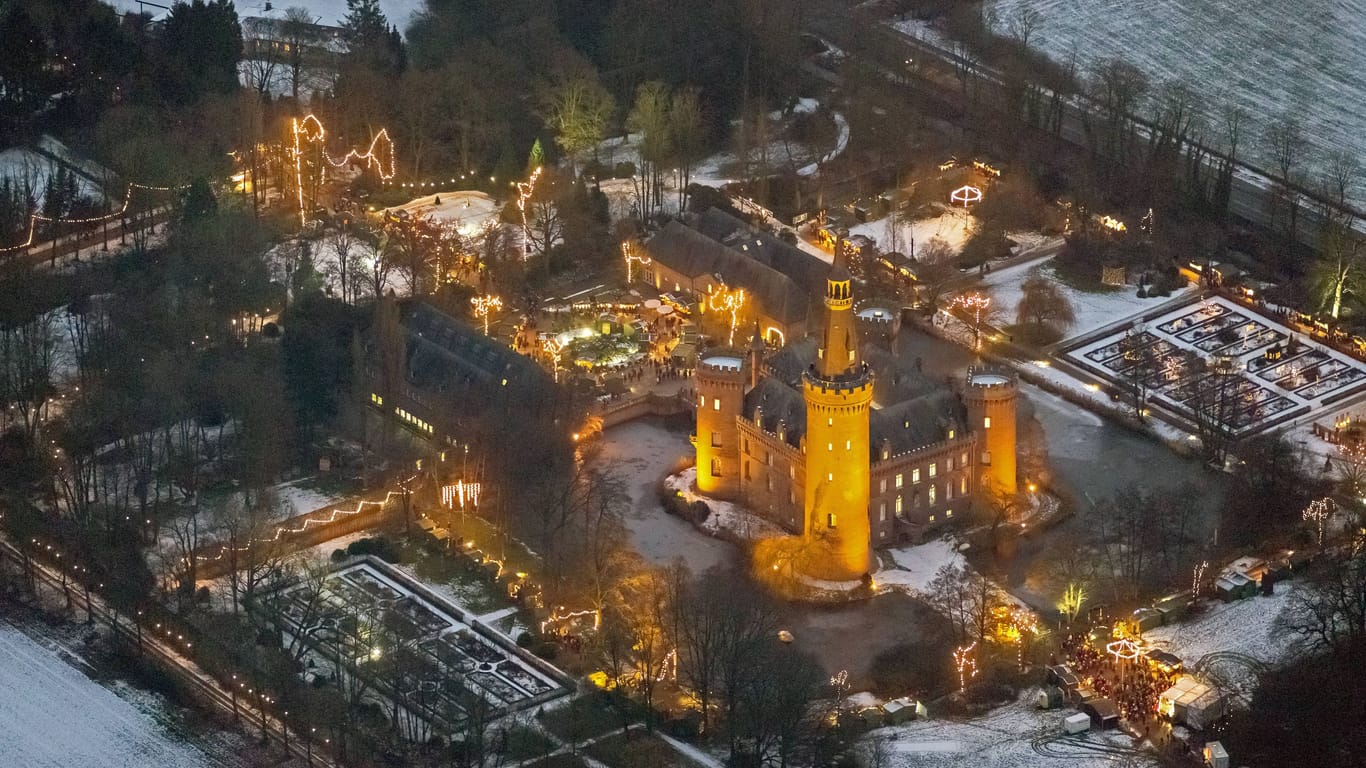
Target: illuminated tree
x=578 y=109
x=1073 y=598
x=727 y=300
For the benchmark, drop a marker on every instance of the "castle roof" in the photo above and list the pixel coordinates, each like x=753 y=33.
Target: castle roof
x=691 y=253
x=807 y=271
x=918 y=422
x=777 y=402
x=449 y=358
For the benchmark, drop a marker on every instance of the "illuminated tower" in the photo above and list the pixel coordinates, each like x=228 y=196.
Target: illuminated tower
x=990 y=399
x=721 y=379
x=838 y=389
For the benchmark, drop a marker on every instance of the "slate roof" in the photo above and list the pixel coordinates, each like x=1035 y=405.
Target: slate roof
x=452 y=359
x=804 y=269
x=779 y=402
x=691 y=253
x=917 y=422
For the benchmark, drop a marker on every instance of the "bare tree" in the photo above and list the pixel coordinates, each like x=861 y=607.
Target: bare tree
x=1285 y=147
x=1329 y=611
x=1044 y=304
x=343 y=269
x=1022 y=23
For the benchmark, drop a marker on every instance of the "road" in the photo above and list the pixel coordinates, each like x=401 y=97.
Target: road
x=161 y=651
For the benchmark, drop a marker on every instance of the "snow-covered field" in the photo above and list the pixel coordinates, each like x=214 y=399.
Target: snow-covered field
x=1093 y=310
x=468 y=211
x=295 y=499
x=1014 y=736
x=1268 y=57
x=953 y=228
x=27 y=169
x=724 y=516
x=53 y=716
x=916 y=565
x=1243 y=626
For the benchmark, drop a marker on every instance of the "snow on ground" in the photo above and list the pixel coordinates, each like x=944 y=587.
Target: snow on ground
x=1013 y=736
x=297 y=499
x=916 y=565
x=53 y=716
x=1093 y=310
x=327 y=12
x=26 y=168
x=469 y=211
x=1242 y=626
x=724 y=516
x=953 y=227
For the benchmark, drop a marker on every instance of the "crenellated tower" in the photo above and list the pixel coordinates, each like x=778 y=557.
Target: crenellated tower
x=721 y=378
x=838 y=389
x=990 y=398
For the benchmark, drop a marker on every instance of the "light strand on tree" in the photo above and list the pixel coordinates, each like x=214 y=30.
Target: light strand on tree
x=485 y=306
x=525 y=189
x=310 y=129
x=966 y=664
x=34 y=218
x=628 y=253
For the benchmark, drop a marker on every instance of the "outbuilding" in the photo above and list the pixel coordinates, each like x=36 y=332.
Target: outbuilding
x=1191 y=702
x=1103 y=712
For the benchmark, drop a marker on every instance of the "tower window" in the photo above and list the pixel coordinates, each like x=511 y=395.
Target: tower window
x=948 y=513
x=932 y=494
x=701 y=401
x=848 y=445
x=716 y=439
x=716 y=403
x=768 y=482
x=829 y=477
x=830 y=520
x=948 y=464
x=986 y=422
x=851 y=355
x=882 y=485
x=882 y=512
x=829 y=446
x=899 y=477
x=963 y=458
x=948 y=491
x=830 y=422
x=715 y=467
x=950 y=434
x=934 y=466
x=915 y=475
x=963 y=485
x=747 y=476
x=898 y=506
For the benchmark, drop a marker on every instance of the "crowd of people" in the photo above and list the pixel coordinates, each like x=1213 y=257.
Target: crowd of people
x=1133 y=684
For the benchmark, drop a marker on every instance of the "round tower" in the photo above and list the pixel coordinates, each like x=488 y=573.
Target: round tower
x=838 y=389
x=721 y=378
x=990 y=399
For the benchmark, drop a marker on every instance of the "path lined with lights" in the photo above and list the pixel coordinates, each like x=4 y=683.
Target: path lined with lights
x=160 y=642
x=34 y=218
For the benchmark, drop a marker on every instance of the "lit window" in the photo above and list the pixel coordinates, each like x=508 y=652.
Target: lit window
x=716 y=403
x=898 y=506
x=948 y=491
x=768 y=481
x=915 y=475
x=948 y=513
x=851 y=355
x=963 y=485
x=830 y=422
x=829 y=446
x=376 y=399
x=829 y=477
x=986 y=422
x=830 y=520
x=933 y=468
x=963 y=458
x=882 y=534
x=932 y=494
x=950 y=434
x=701 y=401
x=948 y=464
x=882 y=485
x=848 y=445
x=882 y=512
x=931 y=518
x=898 y=477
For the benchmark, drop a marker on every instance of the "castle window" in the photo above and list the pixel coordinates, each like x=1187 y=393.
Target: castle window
x=851 y=355
x=963 y=458
x=882 y=534
x=898 y=506
x=948 y=464
x=886 y=453
x=701 y=401
x=747 y=476
x=715 y=467
x=882 y=512
x=768 y=458
x=882 y=485
x=768 y=481
x=915 y=501
x=916 y=476
x=848 y=445
x=948 y=513
x=932 y=494
x=716 y=439
x=931 y=518
x=830 y=422
x=950 y=434
x=791 y=471
x=829 y=477
x=716 y=403
x=747 y=446
x=933 y=467
x=376 y=399
x=963 y=485
x=986 y=422
x=830 y=520
x=948 y=491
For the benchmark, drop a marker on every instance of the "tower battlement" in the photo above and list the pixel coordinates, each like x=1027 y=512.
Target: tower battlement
x=990 y=397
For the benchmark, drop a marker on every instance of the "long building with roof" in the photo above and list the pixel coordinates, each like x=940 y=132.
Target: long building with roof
x=847 y=446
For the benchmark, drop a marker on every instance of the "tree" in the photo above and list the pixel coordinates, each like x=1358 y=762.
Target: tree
x=1284 y=145
x=578 y=109
x=1329 y=611
x=264 y=68
x=201 y=45
x=687 y=134
x=1044 y=304
x=966 y=598
x=1337 y=273
x=650 y=117
x=296 y=32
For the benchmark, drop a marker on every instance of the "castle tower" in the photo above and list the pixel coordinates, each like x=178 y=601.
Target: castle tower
x=838 y=389
x=721 y=378
x=990 y=398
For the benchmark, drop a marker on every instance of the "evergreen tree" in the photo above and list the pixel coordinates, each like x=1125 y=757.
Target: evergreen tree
x=198 y=201
x=365 y=26
x=201 y=46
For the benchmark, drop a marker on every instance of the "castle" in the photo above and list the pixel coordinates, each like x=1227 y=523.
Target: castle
x=845 y=446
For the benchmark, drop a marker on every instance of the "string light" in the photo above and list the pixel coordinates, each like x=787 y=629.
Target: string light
x=628 y=253
x=524 y=191
x=33 y=219
x=310 y=129
x=485 y=306
x=723 y=299
x=966 y=195
x=461 y=491
x=1198 y=577
x=966 y=664
x=1318 y=512
x=559 y=615
x=977 y=304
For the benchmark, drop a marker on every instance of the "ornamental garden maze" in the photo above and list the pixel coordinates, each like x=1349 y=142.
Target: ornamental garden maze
x=1220 y=361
